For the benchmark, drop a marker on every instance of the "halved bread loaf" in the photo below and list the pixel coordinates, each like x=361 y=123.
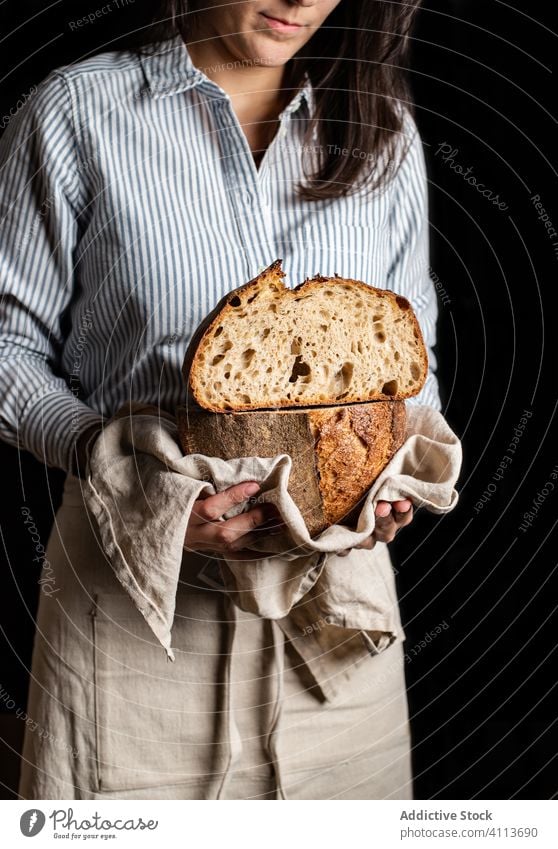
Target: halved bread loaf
x=337 y=451
x=328 y=341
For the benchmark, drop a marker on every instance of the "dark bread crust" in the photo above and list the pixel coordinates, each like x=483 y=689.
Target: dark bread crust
x=191 y=369
x=353 y=444
x=337 y=451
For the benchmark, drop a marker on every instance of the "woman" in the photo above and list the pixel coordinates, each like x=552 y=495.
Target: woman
x=137 y=188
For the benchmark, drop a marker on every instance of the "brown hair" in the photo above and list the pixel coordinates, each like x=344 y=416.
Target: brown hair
x=356 y=62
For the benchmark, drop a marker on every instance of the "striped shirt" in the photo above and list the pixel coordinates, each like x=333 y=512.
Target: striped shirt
x=130 y=203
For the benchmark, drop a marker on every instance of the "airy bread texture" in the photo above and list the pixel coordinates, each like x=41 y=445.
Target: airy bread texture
x=328 y=341
x=337 y=451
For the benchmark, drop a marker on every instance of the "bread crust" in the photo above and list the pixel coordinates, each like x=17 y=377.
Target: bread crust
x=337 y=451
x=353 y=445
x=273 y=276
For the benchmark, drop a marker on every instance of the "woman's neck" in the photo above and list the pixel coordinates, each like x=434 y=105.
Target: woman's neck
x=255 y=89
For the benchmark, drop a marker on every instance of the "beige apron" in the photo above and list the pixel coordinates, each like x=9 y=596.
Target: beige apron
x=236 y=716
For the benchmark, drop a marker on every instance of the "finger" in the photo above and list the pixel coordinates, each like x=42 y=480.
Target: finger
x=257 y=518
x=383 y=509
x=222 y=535
x=402 y=506
x=384 y=522
x=403 y=519
x=385 y=538
x=211 y=509
x=221 y=549
x=385 y=531
x=269 y=527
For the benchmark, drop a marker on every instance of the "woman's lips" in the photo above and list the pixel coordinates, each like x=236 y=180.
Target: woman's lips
x=281 y=26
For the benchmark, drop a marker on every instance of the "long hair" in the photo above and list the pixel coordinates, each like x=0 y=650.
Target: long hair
x=356 y=62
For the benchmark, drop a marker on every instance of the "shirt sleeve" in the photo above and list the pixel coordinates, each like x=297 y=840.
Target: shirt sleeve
x=409 y=270
x=39 y=203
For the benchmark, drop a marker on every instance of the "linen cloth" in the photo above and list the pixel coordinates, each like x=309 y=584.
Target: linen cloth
x=141 y=489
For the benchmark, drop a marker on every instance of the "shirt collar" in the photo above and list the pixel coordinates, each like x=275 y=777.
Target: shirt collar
x=169 y=69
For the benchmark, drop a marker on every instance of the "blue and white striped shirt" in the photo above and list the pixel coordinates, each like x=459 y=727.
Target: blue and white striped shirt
x=130 y=203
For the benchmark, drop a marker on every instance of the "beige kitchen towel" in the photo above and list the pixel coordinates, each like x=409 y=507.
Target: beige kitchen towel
x=141 y=489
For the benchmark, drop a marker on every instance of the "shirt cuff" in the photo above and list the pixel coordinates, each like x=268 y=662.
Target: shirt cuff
x=51 y=425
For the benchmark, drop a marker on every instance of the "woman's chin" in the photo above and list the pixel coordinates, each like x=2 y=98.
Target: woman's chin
x=268 y=52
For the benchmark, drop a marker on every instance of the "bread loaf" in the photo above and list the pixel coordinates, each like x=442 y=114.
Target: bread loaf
x=337 y=451
x=327 y=341
x=319 y=372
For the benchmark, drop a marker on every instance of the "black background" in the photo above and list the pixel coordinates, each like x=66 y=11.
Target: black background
x=481 y=692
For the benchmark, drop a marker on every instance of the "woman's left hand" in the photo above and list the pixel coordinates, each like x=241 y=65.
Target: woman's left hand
x=390 y=517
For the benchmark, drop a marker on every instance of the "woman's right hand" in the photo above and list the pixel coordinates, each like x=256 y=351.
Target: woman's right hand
x=207 y=531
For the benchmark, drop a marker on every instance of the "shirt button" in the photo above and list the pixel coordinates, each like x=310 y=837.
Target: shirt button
x=246 y=197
